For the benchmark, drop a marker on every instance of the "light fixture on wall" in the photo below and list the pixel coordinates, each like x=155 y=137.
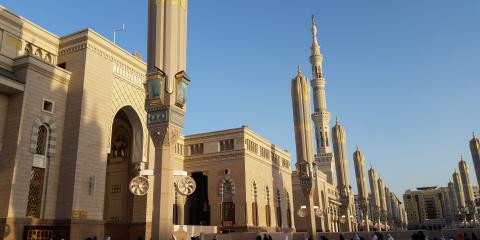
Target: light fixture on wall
x=92 y=185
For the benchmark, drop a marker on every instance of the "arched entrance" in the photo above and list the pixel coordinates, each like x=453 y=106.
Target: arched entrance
x=197 y=205
x=126 y=150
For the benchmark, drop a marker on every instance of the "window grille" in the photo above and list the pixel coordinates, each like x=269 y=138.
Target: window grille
x=42 y=141
x=34 y=204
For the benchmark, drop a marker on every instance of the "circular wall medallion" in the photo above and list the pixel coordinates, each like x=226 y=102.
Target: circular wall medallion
x=186 y=186
x=139 y=186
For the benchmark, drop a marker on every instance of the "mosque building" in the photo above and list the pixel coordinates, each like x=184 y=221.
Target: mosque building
x=74 y=132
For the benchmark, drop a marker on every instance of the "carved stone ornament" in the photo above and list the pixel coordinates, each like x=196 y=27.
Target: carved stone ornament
x=139 y=186
x=186 y=185
x=163 y=136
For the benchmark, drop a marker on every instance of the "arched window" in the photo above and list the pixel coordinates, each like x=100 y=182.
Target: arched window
x=228 y=207
x=37 y=175
x=267 y=207
x=254 y=205
x=38 y=53
x=47 y=58
x=289 y=212
x=279 y=210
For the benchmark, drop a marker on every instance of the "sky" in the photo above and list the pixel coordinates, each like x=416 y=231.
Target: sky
x=402 y=76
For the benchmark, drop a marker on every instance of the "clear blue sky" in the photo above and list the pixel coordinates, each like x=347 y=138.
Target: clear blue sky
x=402 y=76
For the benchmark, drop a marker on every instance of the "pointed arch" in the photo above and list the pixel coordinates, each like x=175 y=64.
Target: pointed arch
x=226 y=181
x=254 y=204
x=52 y=135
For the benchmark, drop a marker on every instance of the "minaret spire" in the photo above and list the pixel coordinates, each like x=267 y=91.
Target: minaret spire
x=314 y=31
x=315 y=45
x=320 y=116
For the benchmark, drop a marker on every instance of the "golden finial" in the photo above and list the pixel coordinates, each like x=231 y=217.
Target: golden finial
x=356 y=146
x=299 y=71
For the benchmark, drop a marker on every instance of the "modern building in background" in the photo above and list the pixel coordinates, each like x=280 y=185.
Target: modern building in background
x=428 y=207
x=437 y=207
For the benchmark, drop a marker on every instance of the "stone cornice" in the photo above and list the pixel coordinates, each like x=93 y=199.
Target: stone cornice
x=34 y=63
x=123 y=66
x=214 y=134
x=72 y=49
x=104 y=47
x=222 y=155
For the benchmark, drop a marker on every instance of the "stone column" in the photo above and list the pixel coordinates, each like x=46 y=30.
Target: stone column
x=359 y=162
x=304 y=146
x=467 y=189
x=383 y=201
x=457 y=184
x=475 y=150
x=343 y=178
x=373 y=178
x=181 y=209
x=165 y=102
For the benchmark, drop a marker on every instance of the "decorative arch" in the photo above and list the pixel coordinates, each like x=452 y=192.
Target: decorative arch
x=38 y=53
x=268 y=214
x=267 y=194
x=279 y=209
x=226 y=179
x=47 y=58
x=52 y=139
x=137 y=133
x=289 y=211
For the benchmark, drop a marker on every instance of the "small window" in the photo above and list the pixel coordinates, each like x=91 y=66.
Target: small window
x=116 y=188
x=62 y=65
x=196 y=149
x=47 y=106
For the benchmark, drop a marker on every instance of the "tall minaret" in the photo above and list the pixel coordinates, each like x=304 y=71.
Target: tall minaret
x=347 y=211
x=359 y=161
x=165 y=104
x=383 y=201
x=475 y=150
x=304 y=146
x=373 y=178
x=467 y=188
x=320 y=116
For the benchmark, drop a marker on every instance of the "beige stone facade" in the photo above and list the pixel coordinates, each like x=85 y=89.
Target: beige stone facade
x=248 y=180
x=73 y=133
